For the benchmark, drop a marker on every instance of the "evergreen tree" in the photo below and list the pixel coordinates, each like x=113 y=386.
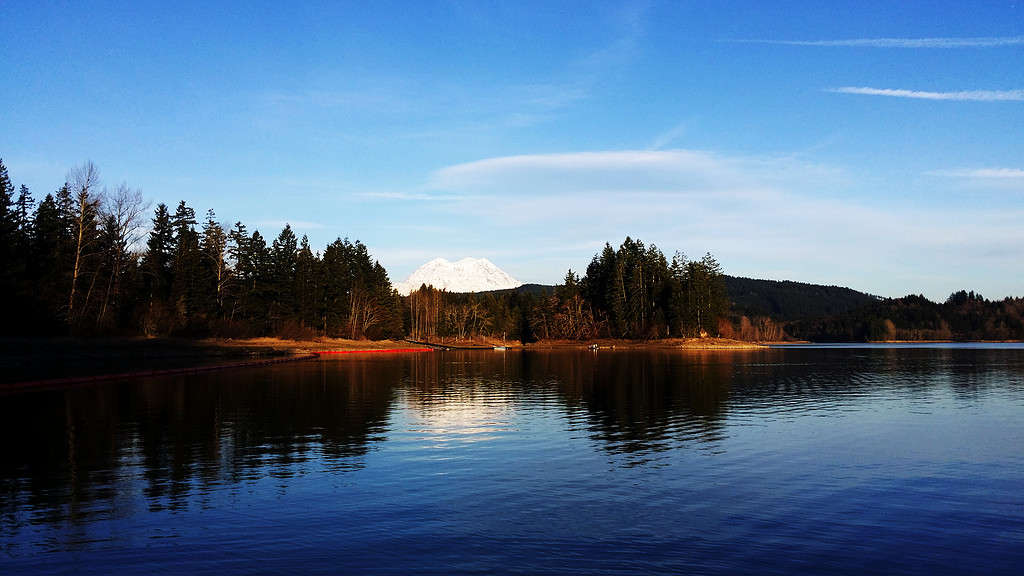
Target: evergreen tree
x=48 y=270
x=259 y=294
x=8 y=233
x=675 y=296
x=243 y=272
x=215 y=271
x=157 y=263
x=186 y=266
x=23 y=208
x=336 y=279
x=307 y=285
x=389 y=306
x=282 y=276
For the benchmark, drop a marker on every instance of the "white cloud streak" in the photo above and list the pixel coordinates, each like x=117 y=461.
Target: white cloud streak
x=958 y=96
x=668 y=136
x=977 y=42
x=982 y=173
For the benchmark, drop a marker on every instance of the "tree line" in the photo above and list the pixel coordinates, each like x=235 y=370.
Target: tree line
x=630 y=292
x=86 y=260
x=965 y=315
x=93 y=260
x=89 y=259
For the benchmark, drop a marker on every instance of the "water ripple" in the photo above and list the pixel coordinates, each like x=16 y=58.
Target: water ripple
x=836 y=460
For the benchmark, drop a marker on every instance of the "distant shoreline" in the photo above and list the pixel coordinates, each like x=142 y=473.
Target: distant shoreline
x=944 y=341
x=26 y=362
x=660 y=344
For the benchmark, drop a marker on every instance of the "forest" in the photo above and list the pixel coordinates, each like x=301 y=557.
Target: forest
x=88 y=260
x=964 y=316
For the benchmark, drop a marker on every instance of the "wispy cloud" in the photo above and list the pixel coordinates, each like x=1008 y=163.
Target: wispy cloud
x=668 y=136
x=758 y=214
x=398 y=195
x=982 y=173
x=657 y=171
x=976 y=42
x=984 y=180
x=630 y=25
x=959 y=96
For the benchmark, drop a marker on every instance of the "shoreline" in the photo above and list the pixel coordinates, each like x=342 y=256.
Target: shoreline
x=942 y=342
x=661 y=344
x=28 y=363
x=32 y=362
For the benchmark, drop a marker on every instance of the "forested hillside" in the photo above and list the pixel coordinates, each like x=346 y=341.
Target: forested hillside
x=963 y=316
x=786 y=300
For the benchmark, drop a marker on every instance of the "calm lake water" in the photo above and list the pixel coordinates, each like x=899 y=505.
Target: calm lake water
x=818 y=460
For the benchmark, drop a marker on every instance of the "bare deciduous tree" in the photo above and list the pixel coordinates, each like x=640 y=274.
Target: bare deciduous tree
x=83 y=182
x=122 y=212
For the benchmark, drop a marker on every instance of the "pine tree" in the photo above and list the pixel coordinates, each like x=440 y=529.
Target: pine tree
x=259 y=294
x=677 y=309
x=8 y=233
x=47 y=269
x=307 y=284
x=156 y=264
x=6 y=199
x=23 y=208
x=282 y=285
x=216 y=273
x=157 y=270
x=336 y=282
x=238 y=253
x=716 y=299
x=185 y=292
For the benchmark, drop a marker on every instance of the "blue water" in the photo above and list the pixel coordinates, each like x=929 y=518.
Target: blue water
x=892 y=459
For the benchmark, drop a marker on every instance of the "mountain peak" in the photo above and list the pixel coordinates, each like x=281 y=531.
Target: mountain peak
x=465 y=275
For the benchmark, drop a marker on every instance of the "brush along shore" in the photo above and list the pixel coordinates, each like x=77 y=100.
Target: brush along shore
x=660 y=344
x=28 y=359
x=324 y=344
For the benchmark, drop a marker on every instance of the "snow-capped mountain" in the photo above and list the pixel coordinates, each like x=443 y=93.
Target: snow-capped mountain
x=466 y=275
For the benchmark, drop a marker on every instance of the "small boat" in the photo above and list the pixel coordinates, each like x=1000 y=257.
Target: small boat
x=500 y=348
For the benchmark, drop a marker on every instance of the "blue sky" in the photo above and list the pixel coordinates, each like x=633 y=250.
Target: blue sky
x=877 y=146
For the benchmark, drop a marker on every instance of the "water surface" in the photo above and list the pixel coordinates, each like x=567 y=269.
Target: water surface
x=887 y=459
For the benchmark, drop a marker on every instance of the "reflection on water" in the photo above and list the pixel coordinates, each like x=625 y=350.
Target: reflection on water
x=629 y=461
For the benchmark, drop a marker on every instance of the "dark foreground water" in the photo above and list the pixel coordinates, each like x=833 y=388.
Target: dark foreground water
x=830 y=460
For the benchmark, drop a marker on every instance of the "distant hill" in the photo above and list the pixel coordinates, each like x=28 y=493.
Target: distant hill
x=963 y=316
x=781 y=300
x=527 y=289
x=785 y=300
x=534 y=289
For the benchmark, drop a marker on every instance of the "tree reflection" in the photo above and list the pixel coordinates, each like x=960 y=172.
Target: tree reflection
x=83 y=448
x=164 y=444
x=639 y=403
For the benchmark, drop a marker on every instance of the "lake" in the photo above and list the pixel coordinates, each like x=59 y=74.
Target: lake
x=833 y=459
